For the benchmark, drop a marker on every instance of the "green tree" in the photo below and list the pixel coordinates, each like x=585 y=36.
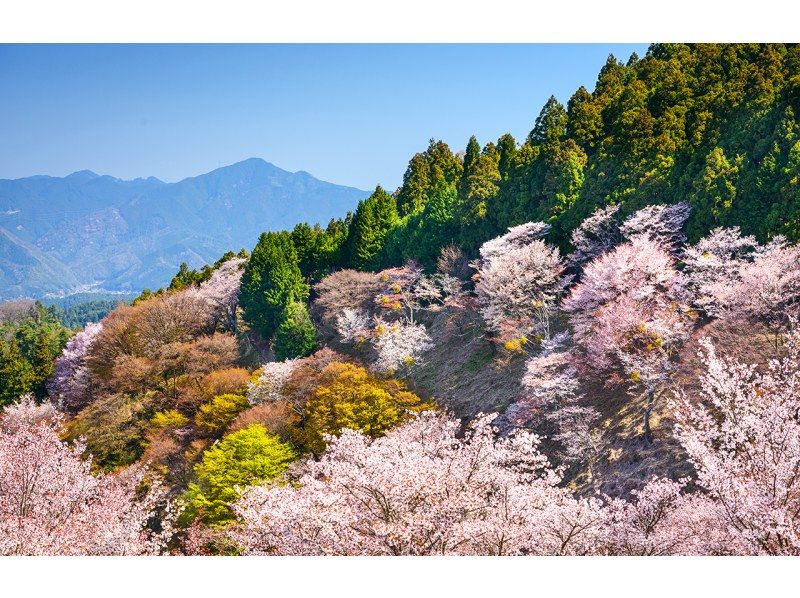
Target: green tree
x=185 y=277
x=585 y=121
x=241 y=459
x=374 y=218
x=308 y=243
x=551 y=124
x=42 y=363
x=271 y=280
x=335 y=246
x=213 y=417
x=507 y=148
x=16 y=375
x=471 y=155
x=714 y=192
x=29 y=344
x=421 y=236
x=477 y=189
x=296 y=335
x=426 y=172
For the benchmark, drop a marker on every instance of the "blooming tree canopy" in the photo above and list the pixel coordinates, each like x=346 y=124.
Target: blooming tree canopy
x=520 y=279
x=744 y=441
x=269 y=385
x=70 y=385
x=551 y=383
x=421 y=489
x=51 y=504
x=627 y=317
x=515 y=238
x=396 y=335
x=221 y=292
x=662 y=224
x=595 y=235
x=712 y=268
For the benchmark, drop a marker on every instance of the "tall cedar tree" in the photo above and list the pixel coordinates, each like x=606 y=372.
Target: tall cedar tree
x=427 y=171
x=296 y=335
x=477 y=187
x=374 y=218
x=271 y=280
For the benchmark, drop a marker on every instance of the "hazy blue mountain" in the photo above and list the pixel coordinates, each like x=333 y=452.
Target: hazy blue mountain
x=24 y=267
x=87 y=232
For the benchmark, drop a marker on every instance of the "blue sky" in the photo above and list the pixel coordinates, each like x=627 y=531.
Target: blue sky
x=350 y=114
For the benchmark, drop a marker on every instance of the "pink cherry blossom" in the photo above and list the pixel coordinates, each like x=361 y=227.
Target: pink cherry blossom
x=421 y=489
x=51 y=504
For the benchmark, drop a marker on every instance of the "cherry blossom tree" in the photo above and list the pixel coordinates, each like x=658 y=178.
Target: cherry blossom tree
x=628 y=319
x=662 y=519
x=712 y=268
x=551 y=384
x=221 y=292
x=595 y=235
x=744 y=441
x=70 y=387
x=662 y=224
x=397 y=337
x=407 y=289
x=516 y=238
x=399 y=344
x=730 y=276
x=549 y=376
x=770 y=286
x=578 y=431
x=421 y=489
x=519 y=281
x=353 y=325
x=51 y=504
x=269 y=385
x=344 y=289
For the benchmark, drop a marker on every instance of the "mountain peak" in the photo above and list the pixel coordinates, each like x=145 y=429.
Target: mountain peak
x=119 y=235
x=253 y=162
x=82 y=175
x=245 y=168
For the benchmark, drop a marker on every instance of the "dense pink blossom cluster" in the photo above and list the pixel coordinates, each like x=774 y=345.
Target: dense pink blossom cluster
x=422 y=489
x=730 y=275
x=519 y=281
x=70 y=385
x=628 y=317
x=663 y=224
x=51 y=504
x=221 y=292
x=744 y=441
x=516 y=238
x=595 y=235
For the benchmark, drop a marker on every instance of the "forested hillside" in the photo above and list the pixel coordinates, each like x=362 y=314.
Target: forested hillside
x=584 y=342
x=714 y=125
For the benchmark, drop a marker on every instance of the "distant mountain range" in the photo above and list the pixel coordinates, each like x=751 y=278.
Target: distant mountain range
x=87 y=232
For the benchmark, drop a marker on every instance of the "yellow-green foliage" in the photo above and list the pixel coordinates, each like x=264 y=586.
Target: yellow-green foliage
x=169 y=419
x=249 y=456
x=115 y=429
x=214 y=417
x=516 y=345
x=358 y=400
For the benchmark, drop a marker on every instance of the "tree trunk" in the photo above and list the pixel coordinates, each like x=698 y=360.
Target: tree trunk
x=648 y=409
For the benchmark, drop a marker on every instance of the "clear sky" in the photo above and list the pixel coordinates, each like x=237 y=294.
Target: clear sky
x=349 y=114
